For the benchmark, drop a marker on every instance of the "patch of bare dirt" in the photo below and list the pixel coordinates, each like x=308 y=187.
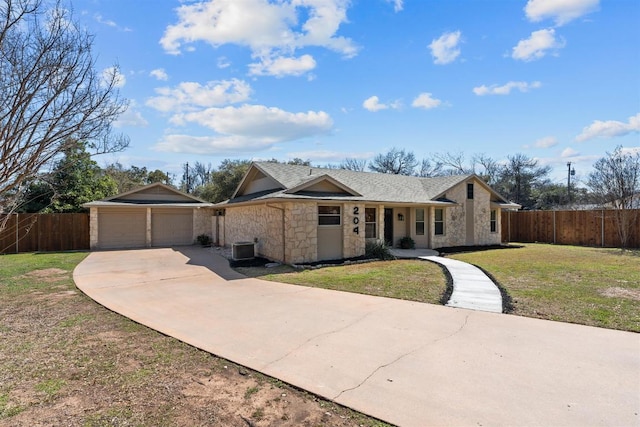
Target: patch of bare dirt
x=46 y=275
x=615 y=292
x=71 y=362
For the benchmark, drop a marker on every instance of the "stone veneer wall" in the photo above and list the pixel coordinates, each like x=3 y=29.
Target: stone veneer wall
x=261 y=222
x=301 y=233
x=482 y=220
x=353 y=244
x=202 y=222
x=93 y=228
x=455 y=224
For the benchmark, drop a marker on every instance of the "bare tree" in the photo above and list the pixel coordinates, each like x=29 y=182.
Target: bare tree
x=453 y=163
x=429 y=169
x=615 y=182
x=395 y=161
x=353 y=164
x=50 y=94
x=486 y=167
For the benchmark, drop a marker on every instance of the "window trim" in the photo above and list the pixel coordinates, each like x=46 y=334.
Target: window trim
x=436 y=222
x=325 y=215
x=368 y=223
x=493 y=221
x=420 y=222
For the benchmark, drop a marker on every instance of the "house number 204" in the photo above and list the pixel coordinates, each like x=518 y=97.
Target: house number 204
x=356 y=220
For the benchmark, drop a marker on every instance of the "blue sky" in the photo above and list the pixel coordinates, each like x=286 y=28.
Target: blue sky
x=557 y=80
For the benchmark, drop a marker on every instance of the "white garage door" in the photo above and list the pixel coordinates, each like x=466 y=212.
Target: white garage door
x=171 y=227
x=121 y=228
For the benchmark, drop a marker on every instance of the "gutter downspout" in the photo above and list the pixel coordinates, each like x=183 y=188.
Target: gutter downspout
x=284 y=242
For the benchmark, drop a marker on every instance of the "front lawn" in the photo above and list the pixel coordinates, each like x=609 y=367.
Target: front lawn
x=65 y=360
x=590 y=286
x=412 y=280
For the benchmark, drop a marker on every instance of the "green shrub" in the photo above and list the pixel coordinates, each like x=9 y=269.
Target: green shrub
x=204 y=239
x=407 y=243
x=378 y=249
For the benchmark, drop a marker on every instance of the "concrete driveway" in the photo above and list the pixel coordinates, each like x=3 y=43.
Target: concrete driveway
x=407 y=363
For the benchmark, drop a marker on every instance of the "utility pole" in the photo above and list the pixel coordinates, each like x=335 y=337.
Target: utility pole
x=570 y=172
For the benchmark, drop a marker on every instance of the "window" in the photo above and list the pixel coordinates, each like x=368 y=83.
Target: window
x=494 y=220
x=328 y=215
x=370 y=223
x=419 y=222
x=470 y=191
x=439 y=222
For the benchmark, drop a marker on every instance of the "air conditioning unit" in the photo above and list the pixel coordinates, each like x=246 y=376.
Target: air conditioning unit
x=243 y=250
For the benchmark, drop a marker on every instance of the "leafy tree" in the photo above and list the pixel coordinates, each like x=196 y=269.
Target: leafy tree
x=224 y=181
x=37 y=197
x=74 y=180
x=159 y=176
x=395 y=161
x=134 y=177
x=77 y=179
x=519 y=177
x=50 y=94
x=615 y=182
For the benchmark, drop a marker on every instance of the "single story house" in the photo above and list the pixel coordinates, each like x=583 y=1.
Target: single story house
x=155 y=215
x=298 y=214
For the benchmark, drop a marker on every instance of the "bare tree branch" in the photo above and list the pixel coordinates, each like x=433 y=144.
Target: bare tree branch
x=50 y=92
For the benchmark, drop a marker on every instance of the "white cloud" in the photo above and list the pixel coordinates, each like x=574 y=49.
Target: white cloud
x=609 y=129
x=546 y=142
x=630 y=150
x=223 y=62
x=398 y=5
x=506 y=88
x=270 y=30
x=373 y=104
x=131 y=117
x=537 y=46
x=245 y=128
x=445 y=49
x=110 y=74
x=280 y=67
x=426 y=101
x=569 y=152
x=561 y=11
x=191 y=95
x=160 y=74
x=107 y=22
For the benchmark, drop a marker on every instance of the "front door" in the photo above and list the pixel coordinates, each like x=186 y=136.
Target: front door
x=388 y=226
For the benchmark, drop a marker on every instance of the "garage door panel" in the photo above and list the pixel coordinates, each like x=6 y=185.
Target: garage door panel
x=171 y=227
x=121 y=228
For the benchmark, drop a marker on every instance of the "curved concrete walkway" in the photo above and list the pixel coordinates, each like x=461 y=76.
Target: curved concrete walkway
x=407 y=363
x=472 y=289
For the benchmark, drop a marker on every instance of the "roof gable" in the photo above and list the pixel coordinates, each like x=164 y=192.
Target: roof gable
x=154 y=193
x=256 y=180
x=323 y=184
x=306 y=182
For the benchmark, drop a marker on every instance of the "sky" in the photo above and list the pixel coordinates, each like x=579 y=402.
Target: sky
x=325 y=80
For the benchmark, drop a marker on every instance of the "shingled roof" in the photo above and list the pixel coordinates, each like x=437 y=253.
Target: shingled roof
x=359 y=186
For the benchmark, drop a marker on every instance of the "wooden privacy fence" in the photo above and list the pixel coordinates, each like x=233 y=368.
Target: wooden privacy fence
x=582 y=228
x=44 y=232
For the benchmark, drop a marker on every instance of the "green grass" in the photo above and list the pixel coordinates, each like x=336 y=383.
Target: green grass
x=50 y=387
x=589 y=286
x=404 y=279
x=19 y=273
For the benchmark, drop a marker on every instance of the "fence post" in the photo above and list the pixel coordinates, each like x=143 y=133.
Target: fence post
x=554 y=227
x=602 y=228
x=17 y=235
